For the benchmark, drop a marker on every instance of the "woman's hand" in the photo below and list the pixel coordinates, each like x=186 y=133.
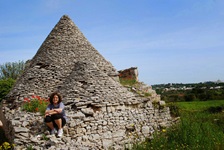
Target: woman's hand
x=47 y=113
x=57 y=111
x=52 y=112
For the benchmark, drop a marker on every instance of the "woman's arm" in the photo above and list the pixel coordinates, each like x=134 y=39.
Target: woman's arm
x=50 y=111
x=53 y=111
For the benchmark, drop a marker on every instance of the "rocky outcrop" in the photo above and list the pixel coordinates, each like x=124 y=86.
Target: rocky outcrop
x=102 y=113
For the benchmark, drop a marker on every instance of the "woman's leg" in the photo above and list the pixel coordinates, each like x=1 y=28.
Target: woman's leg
x=58 y=123
x=63 y=122
x=57 y=120
x=49 y=123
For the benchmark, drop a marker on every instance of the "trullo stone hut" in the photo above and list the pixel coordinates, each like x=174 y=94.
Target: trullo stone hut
x=102 y=113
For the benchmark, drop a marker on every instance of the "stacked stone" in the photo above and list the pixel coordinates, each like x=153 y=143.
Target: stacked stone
x=102 y=113
x=110 y=127
x=154 y=97
x=87 y=85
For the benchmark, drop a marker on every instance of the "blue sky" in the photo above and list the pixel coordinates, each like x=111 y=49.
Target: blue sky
x=170 y=41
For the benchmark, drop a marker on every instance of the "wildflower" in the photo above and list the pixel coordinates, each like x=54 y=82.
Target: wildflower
x=40 y=102
x=6 y=145
x=36 y=109
x=26 y=99
x=38 y=97
x=163 y=130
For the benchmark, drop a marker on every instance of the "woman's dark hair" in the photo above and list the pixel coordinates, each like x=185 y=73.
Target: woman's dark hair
x=52 y=97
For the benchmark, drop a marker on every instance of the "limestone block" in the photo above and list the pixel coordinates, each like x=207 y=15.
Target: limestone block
x=85 y=138
x=78 y=115
x=88 y=127
x=113 y=109
x=119 y=133
x=20 y=129
x=80 y=104
x=83 y=125
x=107 y=143
x=145 y=130
x=103 y=109
x=79 y=130
x=120 y=108
x=88 y=119
x=14 y=123
x=87 y=111
x=107 y=135
x=162 y=124
x=109 y=109
x=162 y=103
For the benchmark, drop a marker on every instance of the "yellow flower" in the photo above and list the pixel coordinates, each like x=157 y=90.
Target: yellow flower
x=132 y=124
x=163 y=130
x=6 y=146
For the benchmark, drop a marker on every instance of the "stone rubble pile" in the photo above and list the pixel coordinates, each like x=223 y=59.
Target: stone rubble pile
x=102 y=113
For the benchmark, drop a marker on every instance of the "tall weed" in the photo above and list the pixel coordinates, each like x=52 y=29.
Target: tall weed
x=197 y=130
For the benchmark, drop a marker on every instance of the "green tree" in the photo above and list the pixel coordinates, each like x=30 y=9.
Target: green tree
x=11 y=70
x=5 y=87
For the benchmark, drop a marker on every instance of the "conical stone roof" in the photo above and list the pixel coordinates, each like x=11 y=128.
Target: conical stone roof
x=66 y=44
x=68 y=63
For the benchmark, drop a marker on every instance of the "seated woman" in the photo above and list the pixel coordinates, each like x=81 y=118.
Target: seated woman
x=55 y=117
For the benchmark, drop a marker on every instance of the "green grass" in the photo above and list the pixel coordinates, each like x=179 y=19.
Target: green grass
x=127 y=82
x=199 y=105
x=198 y=129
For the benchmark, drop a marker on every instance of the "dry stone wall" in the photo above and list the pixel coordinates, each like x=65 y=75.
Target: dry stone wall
x=102 y=113
x=111 y=126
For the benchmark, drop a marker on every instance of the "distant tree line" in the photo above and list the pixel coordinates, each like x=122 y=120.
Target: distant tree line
x=9 y=72
x=197 y=92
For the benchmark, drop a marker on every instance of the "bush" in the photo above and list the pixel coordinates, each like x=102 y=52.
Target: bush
x=215 y=109
x=35 y=104
x=5 y=87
